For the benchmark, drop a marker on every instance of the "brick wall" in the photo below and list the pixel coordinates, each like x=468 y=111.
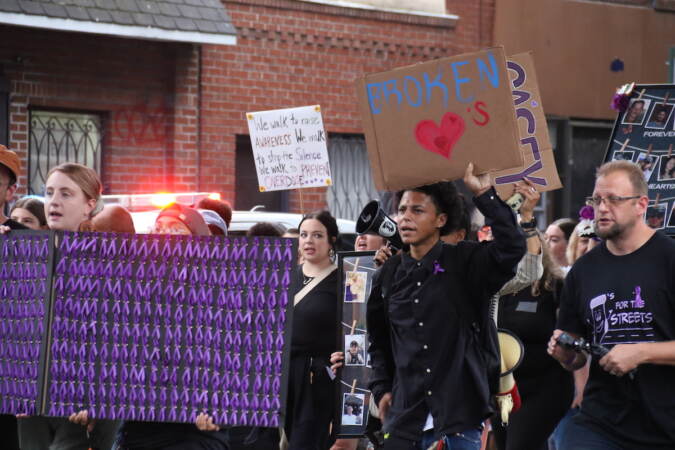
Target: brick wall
x=157 y=114
x=291 y=53
x=129 y=82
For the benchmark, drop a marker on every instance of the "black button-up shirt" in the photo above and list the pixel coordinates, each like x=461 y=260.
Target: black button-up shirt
x=423 y=348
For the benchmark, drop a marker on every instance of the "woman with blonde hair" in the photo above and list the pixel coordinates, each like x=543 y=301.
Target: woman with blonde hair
x=72 y=197
x=582 y=238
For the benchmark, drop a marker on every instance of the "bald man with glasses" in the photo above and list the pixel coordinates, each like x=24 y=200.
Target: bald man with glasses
x=621 y=296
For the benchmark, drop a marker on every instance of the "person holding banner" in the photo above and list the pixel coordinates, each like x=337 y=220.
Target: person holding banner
x=430 y=378
x=29 y=212
x=311 y=392
x=311 y=400
x=72 y=197
x=174 y=219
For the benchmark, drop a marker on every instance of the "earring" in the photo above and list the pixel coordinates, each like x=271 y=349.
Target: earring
x=331 y=254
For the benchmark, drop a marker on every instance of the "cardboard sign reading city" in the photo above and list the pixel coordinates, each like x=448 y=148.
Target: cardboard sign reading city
x=645 y=135
x=289 y=148
x=535 y=144
x=424 y=123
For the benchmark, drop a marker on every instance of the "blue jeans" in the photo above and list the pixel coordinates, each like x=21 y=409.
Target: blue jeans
x=555 y=442
x=467 y=440
x=579 y=436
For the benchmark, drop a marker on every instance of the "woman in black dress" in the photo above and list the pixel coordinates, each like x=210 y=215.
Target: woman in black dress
x=311 y=396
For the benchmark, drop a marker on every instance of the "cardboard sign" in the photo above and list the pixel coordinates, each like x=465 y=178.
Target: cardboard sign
x=535 y=144
x=289 y=148
x=424 y=123
x=645 y=135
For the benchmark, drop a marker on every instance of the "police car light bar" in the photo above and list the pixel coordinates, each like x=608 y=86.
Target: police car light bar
x=142 y=202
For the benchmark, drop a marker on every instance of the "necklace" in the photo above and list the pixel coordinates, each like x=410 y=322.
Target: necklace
x=306 y=280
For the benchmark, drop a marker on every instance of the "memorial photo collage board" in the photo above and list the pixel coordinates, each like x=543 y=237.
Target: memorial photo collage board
x=355 y=271
x=145 y=327
x=645 y=135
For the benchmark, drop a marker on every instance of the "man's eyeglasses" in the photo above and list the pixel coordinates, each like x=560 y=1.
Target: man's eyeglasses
x=611 y=200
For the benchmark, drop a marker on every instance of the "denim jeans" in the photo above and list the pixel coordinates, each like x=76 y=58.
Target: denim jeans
x=578 y=436
x=555 y=442
x=467 y=440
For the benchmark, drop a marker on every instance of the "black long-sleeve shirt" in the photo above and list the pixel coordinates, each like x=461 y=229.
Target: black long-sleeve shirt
x=422 y=349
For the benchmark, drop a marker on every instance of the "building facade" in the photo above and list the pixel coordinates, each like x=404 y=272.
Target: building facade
x=155 y=114
x=583 y=51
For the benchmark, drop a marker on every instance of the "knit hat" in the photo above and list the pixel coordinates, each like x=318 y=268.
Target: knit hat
x=10 y=160
x=190 y=218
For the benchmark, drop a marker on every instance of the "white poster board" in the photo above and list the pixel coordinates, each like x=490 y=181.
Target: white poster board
x=289 y=148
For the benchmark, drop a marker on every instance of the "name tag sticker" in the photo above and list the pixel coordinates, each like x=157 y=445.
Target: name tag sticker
x=530 y=307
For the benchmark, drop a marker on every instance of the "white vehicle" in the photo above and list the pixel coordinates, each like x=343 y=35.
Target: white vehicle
x=144 y=209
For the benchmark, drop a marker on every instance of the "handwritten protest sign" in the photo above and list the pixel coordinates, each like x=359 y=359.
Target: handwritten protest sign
x=289 y=148
x=535 y=144
x=424 y=123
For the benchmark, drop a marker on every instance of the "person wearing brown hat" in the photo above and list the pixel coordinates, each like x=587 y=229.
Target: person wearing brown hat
x=10 y=167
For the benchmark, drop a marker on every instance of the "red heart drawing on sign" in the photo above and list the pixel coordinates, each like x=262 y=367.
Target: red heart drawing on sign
x=441 y=139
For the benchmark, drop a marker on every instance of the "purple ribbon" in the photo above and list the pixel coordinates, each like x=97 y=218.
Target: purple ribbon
x=287 y=276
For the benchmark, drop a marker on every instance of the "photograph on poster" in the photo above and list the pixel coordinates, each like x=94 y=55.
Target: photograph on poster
x=353 y=409
x=623 y=156
x=355 y=287
x=667 y=169
x=355 y=350
x=659 y=116
x=637 y=109
x=647 y=164
x=656 y=215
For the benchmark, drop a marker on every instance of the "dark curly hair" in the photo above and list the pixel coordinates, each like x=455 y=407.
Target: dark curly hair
x=328 y=221
x=221 y=207
x=264 y=229
x=447 y=200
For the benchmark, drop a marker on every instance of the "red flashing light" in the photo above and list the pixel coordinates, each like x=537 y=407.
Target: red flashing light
x=162 y=199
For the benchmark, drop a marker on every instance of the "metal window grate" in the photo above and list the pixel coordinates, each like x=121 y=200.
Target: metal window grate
x=353 y=185
x=58 y=137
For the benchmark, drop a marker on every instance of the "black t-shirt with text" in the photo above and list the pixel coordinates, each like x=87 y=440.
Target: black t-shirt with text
x=626 y=299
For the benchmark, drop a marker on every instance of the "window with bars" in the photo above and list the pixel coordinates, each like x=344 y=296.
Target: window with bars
x=353 y=185
x=57 y=137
